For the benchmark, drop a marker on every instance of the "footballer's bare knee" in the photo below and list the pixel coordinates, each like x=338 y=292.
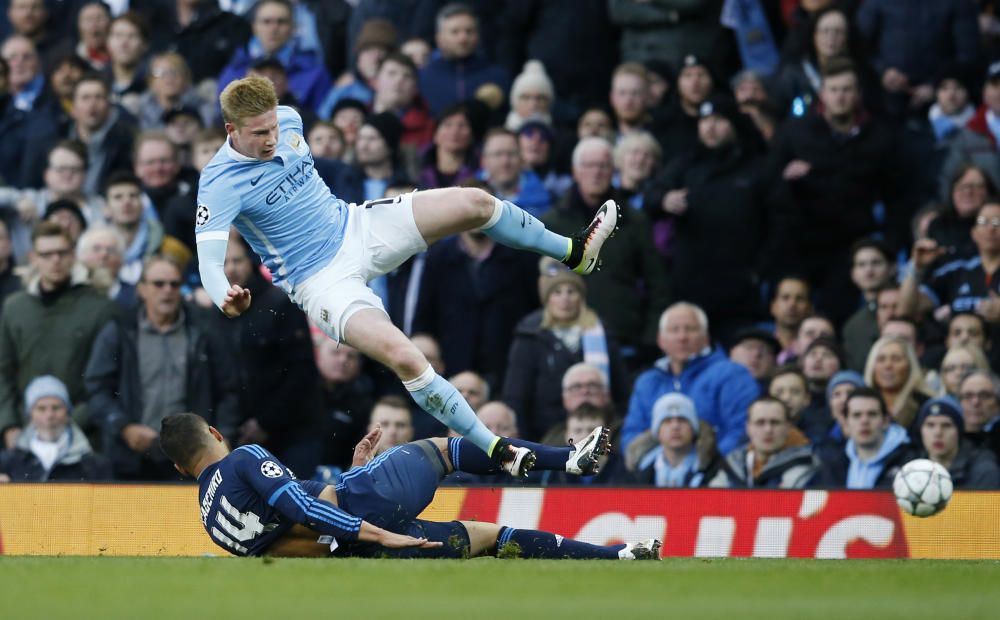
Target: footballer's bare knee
x=451 y=210
x=405 y=360
x=472 y=206
x=482 y=537
x=481 y=204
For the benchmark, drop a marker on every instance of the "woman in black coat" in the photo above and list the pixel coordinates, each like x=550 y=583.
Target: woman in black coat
x=547 y=342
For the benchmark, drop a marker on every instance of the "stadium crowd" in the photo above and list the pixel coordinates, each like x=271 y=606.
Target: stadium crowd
x=801 y=293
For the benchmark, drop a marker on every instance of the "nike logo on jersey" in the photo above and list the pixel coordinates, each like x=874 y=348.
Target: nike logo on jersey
x=254 y=182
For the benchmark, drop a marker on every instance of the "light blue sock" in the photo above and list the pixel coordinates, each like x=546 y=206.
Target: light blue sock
x=516 y=228
x=440 y=399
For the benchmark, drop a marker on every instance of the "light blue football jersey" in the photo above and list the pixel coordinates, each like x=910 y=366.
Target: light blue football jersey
x=281 y=207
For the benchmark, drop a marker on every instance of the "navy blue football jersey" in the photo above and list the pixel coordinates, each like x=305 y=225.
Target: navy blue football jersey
x=249 y=500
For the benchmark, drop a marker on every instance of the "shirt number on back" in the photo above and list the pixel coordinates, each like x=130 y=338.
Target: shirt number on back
x=247 y=524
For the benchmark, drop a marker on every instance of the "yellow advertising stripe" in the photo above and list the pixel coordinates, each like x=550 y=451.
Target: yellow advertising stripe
x=967 y=529
x=154 y=520
x=82 y=519
x=446 y=505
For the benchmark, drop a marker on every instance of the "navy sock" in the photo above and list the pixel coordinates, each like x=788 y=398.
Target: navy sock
x=466 y=457
x=537 y=544
x=549 y=458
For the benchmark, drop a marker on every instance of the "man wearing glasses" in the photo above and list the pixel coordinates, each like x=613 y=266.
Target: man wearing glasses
x=981 y=409
x=963 y=285
x=48 y=329
x=158 y=360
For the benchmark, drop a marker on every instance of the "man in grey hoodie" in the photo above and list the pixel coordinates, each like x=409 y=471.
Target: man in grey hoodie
x=777 y=456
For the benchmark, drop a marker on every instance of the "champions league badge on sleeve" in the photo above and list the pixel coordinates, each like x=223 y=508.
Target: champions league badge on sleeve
x=202 y=216
x=270 y=469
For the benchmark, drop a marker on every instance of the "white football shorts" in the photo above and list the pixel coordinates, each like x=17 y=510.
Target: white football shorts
x=380 y=236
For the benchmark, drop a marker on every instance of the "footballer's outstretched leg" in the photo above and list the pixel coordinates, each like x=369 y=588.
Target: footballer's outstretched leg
x=443 y=212
x=371 y=332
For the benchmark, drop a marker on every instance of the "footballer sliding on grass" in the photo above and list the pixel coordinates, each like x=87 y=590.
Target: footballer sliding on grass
x=252 y=505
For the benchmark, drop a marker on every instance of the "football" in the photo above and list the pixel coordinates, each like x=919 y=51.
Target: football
x=922 y=488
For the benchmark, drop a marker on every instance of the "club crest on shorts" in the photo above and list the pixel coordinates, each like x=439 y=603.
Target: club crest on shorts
x=202 y=216
x=324 y=315
x=270 y=469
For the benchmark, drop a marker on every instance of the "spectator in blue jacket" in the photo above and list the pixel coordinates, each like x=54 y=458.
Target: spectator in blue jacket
x=457 y=68
x=721 y=390
x=273 y=37
x=502 y=168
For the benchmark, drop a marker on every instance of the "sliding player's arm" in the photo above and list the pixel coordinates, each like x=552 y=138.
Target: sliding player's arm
x=217 y=209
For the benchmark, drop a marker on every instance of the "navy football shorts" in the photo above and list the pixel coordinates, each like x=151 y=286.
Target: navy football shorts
x=391 y=491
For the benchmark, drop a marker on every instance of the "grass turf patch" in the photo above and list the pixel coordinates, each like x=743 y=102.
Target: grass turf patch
x=192 y=588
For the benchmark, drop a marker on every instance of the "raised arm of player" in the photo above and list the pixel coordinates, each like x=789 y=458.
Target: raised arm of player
x=233 y=300
x=219 y=204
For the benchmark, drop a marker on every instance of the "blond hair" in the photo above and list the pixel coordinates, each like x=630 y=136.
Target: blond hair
x=636 y=140
x=975 y=352
x=631 y=68
x=903 y=410
x=246 y=98
x=979 y=362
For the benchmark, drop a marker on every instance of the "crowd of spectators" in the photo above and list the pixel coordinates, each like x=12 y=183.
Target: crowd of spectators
x=802 y=292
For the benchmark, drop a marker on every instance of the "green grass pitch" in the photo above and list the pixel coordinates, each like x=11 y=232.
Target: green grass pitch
x=685 y=589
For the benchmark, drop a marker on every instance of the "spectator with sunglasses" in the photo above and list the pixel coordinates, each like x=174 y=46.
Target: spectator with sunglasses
x=159 y=360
